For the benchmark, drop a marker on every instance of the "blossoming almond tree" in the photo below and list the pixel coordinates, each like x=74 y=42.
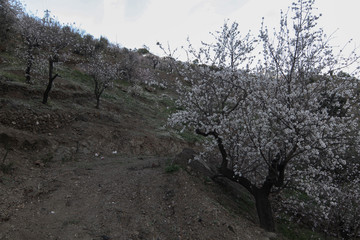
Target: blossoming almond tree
x=103 y=71
x=287 y=120
x=31 y=30
x=57 y=39
x=9 y=12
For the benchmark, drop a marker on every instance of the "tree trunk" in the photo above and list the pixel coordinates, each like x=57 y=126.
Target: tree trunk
x=261 y=195
x=97 y=102
x=51 y=79
x=97 y=91
x=264 y=211
x=46 y=93
x=28 y=68
x=27 y=73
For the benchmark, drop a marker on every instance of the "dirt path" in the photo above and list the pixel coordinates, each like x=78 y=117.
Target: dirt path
x=116 y=198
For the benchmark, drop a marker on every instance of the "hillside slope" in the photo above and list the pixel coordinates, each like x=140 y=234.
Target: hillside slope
x=70 y=171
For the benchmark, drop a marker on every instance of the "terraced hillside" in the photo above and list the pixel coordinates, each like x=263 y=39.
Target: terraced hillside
x=70 y=171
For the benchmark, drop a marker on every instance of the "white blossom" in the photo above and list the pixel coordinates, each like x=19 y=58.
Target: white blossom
x=295 y=109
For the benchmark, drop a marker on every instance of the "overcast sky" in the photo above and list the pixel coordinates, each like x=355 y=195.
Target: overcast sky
x=134 y=23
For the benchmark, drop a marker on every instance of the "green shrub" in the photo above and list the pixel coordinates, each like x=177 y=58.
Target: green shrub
x=143 y=51
x=172 y=168
x=294 y=231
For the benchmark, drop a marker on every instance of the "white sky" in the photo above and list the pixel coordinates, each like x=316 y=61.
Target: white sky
x=133 y=23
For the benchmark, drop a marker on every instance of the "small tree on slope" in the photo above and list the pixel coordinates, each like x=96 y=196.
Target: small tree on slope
x=31 y=30
x=103 y=72
x=9 y=12
x=287 y=120
x=57 y=41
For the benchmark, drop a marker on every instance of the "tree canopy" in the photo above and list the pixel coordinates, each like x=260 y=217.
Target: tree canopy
x=289 y=120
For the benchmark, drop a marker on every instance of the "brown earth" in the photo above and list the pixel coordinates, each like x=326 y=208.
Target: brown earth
x=74 y=172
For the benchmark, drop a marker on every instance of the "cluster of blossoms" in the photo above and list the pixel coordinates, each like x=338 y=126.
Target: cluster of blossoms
x=290 y=121
x=149 y=78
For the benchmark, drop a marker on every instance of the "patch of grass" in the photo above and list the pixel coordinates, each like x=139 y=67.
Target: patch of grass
x=11 y=68
x=191 y=137
x=169 y=105
x=9 y=58
x=109 y=96
x=295 y=232
x=172 y=168
x=76 y=76
x=79 y=75
x=122 y=83
x=8 y=75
